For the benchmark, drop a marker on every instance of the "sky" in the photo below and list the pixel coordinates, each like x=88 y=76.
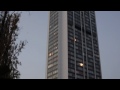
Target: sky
x=34 y=28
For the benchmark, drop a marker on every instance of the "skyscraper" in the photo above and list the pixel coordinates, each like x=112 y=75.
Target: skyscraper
x=73 y=50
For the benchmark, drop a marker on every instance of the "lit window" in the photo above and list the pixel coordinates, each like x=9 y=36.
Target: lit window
x=54 y=33
x=49 y=74
x=75 y=40
x=81 y=64
x=50 y=54
x=49 y=66
x=54 y=72
x=50 y=78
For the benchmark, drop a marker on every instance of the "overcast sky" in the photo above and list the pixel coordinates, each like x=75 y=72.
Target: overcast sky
x=34 y=29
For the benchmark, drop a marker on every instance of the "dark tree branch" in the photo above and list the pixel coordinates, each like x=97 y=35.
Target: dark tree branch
x=3 y=21
x=9 y=50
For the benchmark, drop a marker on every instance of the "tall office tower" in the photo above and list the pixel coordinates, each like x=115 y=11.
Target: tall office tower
x=73 y=50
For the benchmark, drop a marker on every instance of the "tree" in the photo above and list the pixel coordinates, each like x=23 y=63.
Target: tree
x=9 y=49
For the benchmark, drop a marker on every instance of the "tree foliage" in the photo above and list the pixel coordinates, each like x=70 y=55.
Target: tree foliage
x=9 y=49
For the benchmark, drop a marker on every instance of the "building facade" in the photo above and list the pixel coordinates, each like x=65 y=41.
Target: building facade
x=73 y=49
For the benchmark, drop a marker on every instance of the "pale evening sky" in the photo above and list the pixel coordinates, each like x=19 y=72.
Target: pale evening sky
x=34 y=29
